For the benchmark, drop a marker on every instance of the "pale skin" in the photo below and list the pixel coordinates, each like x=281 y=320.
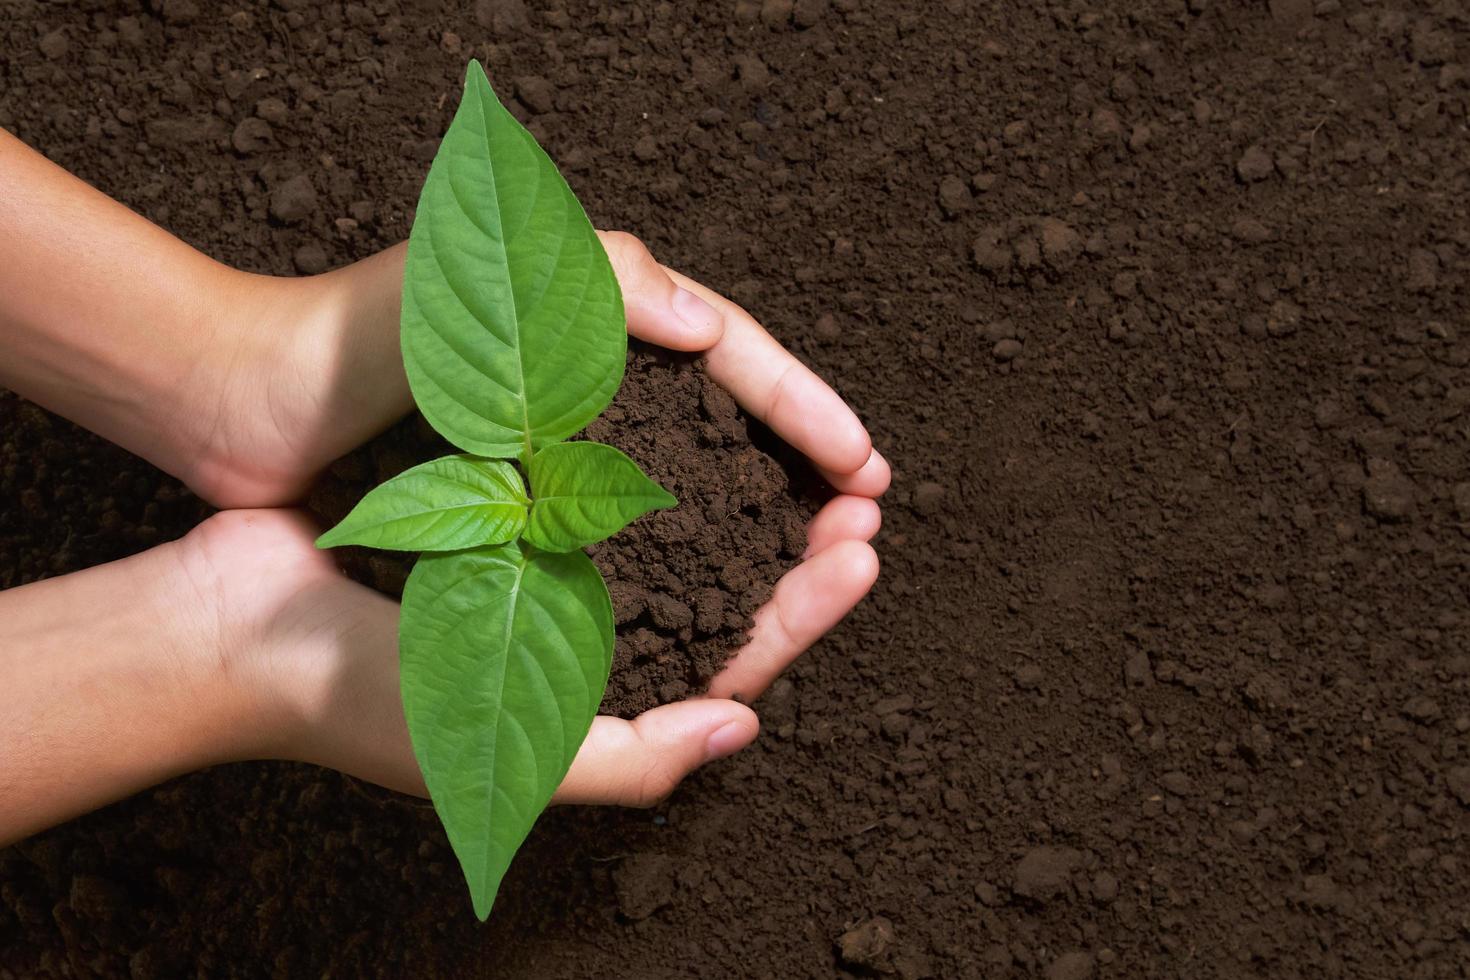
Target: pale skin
x=241 y=640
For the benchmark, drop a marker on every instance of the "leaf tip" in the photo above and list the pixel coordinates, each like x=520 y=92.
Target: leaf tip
x=663 y=500
x=475 y=77
x=482 y=899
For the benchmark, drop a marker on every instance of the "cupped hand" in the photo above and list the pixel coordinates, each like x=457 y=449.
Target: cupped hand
x=638 y=762
x=315 y=656
x=331 y=654
x=671 y=310
x=248 y=642
x=318 y=371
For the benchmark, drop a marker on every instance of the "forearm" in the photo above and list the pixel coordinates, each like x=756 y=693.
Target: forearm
x=241 y=385
x=104 y=317
x=109 y=688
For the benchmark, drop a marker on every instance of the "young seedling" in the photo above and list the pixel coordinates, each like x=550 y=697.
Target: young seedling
x=513 y=340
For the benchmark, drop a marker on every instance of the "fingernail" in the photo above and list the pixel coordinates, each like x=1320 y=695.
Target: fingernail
x=726 y=740
x=698 y=315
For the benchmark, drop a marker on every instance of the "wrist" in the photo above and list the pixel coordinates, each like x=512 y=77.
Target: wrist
x=235 y=409
x=310 y=369
x=301 y=660
x=221 y=597
x=118 y=682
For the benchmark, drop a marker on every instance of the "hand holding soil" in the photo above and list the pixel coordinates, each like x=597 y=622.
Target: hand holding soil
x=1165 y=308
x=241 y=640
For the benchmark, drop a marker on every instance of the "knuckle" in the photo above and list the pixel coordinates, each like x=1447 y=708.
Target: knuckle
x=654 y=785
x=630 y=257
x=625 y=245
x=780 y=391
x=618 y=241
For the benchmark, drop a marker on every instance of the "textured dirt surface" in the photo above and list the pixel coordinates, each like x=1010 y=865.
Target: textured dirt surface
x=1161 y=312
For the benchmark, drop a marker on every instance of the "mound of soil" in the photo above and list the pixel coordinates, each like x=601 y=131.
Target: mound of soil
x=1161 y=311
x=684 y=582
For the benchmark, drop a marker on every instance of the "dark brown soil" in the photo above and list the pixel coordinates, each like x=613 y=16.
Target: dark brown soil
x=685 y=582
x=1161 y=312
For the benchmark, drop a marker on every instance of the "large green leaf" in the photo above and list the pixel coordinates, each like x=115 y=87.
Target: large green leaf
x=503 y=657
x=445 y=504
x=512 y=325
x=585 y=492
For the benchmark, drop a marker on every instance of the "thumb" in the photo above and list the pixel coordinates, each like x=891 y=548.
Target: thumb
x=639 y=762
x=659 y=310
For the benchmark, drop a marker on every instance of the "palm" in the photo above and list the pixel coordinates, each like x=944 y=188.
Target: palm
x=330 y=643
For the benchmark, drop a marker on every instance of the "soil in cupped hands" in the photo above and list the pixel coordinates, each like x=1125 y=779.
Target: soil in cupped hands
x=684 y=582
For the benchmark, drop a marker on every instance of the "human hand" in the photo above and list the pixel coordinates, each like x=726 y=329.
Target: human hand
x=244 y=641
x=668 y=309
x=321 y=372
x=308 y=659
x=621 y=761
x=245 y=387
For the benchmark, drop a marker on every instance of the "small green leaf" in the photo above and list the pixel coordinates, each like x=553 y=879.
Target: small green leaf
x=585 y=492
x=512 y=322
x=445 y=504
x=503 y=657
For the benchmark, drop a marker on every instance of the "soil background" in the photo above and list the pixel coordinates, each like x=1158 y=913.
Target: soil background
x=1161 y=314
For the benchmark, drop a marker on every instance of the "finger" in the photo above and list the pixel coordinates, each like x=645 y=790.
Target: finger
x=781 y=391
x=843 y=518
x=871 y=480
x=808 y=601
x=659 y=311
x=639 y=762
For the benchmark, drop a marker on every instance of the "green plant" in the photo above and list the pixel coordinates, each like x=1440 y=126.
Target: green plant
x=513 y=340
